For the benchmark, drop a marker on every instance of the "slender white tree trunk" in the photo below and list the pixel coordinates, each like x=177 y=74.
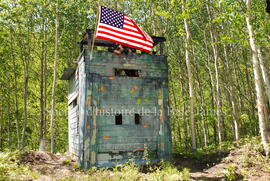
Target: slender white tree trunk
x=190 y=82
x=202 y=110
x=54 y=80
x=236 y=116
x=264 y=73
x=205 y=138
x=183 y=111
x=212 y=92
x=218 y=96
x=232 y=98
x=262 y=109
x=215 y=51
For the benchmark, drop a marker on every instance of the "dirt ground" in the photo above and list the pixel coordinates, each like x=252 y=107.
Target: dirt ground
x=52 y=166
x=243 y=163
x=212 y=168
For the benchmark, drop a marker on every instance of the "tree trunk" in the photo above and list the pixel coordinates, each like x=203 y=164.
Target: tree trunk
x=202 y=110
x=216 y=56
x=204 y=125
x=264 y=73
x=211 y=82
x=45 y=93
x=176 y=116
x=15 y=83
x=235 y=114
x=42 y=141
x=25 y=94
x=176 y=127
x=185 y=126
x=232 y=97
x=262 y=109
x=54 y=80
x=41 y=126
x=190 y=83
x=183 y=111
x=252 y=100
x=25 y=97
x=9 y=118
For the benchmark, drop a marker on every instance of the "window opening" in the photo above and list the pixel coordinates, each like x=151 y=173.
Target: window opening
x=138 y=118
x=127 y=72
x=118 y=119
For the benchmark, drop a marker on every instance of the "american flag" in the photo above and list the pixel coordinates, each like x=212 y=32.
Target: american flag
x=119 y=28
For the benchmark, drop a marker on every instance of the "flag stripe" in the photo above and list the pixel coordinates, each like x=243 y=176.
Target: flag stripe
x=124 y=30
x=127 y=18
x=127 y=29
x=131 y=22
x=131 y=28
x=128 y=22
x=133 y=40
x=125 y=35
x=116 y=40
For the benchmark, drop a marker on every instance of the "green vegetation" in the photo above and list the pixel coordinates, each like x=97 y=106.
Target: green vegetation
x=224 y=94
x=218 y=80
x=11 y=168
x=236 y=162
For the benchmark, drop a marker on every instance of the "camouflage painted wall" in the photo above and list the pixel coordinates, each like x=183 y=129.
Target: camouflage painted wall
x=103 y=96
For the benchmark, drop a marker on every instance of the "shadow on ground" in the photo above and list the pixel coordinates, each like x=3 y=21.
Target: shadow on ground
x=199 y=165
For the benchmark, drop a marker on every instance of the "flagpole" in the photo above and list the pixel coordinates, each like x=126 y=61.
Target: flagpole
x=95 y=31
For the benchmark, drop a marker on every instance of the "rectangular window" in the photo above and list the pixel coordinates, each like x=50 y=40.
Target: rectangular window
x=118 y=119
x=127 y=72
x=137 y=118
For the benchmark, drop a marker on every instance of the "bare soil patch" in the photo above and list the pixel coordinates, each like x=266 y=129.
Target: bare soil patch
x=246 y=162
x=52 y=166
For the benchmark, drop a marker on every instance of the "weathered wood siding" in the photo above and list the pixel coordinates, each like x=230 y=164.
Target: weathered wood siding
x=101 y=94
x=73 y=122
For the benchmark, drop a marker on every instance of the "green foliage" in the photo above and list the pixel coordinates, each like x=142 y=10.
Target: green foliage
x=66 y=162
x=11 y=169
x=231 y=174
x=169 y=172
x=27 y=34
x=165 y=171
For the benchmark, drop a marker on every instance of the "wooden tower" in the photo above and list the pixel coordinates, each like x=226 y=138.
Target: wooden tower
x=118 y=106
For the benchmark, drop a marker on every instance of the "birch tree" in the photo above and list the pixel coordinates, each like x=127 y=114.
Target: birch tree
x=213 y=37
x=264 y=72
x=190 y=79
x=54 y=79
x=261 y=104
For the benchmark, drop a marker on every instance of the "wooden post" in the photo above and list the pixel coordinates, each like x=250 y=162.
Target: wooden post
x=161 y=48
x=89 y=38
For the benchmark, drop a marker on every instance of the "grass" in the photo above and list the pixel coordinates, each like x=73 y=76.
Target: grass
x=11 y=168
x=243 y=160
x=131 y=172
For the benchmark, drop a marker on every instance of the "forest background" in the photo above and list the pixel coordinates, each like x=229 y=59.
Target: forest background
x=218 y=56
